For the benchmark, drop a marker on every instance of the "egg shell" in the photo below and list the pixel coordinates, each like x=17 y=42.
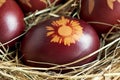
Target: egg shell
x=11 y=21
x=102 y=11
x=33 y=5
x=51 y=41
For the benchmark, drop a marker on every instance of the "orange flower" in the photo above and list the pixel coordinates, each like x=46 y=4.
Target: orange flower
x=27 y=2
x=64 y=31
x=111 y=3
x=2 y=2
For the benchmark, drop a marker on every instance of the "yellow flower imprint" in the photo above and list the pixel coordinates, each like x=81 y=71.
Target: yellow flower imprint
x=2 y=2
x=27 y=2
x=64 y=31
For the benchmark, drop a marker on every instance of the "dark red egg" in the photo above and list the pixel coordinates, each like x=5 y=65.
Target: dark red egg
x=101 y=11
x=59 y=41
x=33 y=5
x=11 y=21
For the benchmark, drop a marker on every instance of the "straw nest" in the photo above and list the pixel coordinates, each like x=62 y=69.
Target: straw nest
x=106 y=68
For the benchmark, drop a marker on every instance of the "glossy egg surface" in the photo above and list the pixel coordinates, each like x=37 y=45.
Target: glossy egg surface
x=59 y=41
x=11 y=20
x=105 y=12
x=33 y=5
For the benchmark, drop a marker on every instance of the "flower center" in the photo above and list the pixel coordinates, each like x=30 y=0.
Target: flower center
x=65 y=31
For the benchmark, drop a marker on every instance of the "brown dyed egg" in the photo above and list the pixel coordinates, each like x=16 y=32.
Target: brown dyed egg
x=33 y=5
x=105 y=11
x=11 y=21
x=59 y=40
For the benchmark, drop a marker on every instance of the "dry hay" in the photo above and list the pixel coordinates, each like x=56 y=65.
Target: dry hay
x=107 y=68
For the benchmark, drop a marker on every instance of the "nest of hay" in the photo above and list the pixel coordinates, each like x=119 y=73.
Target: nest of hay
x=107 y=68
